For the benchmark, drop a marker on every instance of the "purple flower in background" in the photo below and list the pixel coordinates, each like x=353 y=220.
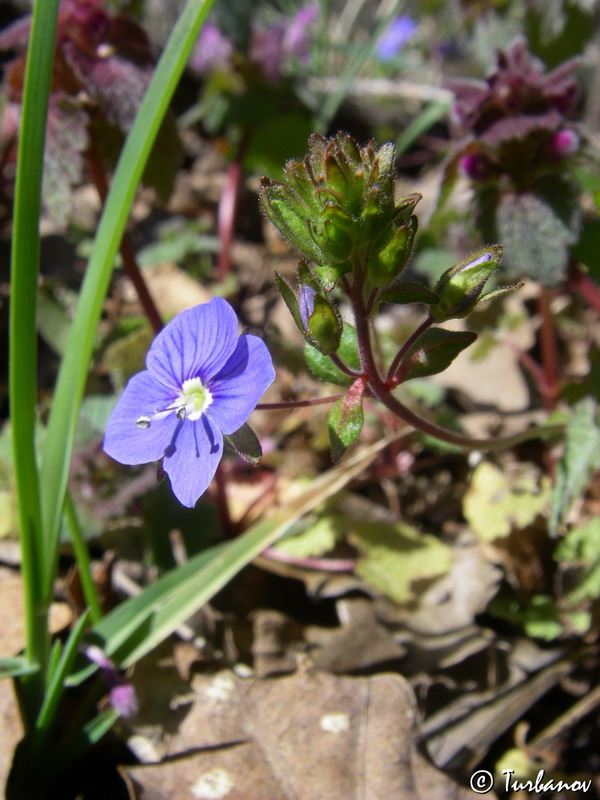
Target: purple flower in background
x=213 y=50
x=285 y=39
x=201 y=381
x=393 y=39
x=122 y=695
x=295 y=40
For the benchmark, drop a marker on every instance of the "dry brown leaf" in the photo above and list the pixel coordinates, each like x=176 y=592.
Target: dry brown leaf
x=306 y=736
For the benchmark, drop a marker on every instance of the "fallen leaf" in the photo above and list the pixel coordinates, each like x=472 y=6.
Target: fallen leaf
x=309 y=735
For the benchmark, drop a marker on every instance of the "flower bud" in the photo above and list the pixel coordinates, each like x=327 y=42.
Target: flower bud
x=475 y=166
x=562 y=144
x=460 y=287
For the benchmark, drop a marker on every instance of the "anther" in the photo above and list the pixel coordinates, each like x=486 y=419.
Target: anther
x=143 y=422
x=181 y=412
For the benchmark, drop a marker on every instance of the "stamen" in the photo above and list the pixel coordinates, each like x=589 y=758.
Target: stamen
x=181 y=412
x=143 y=422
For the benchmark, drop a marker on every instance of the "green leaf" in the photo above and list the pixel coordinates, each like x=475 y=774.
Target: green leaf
x=323 y=368
x=245 y=444
x=397 y=558
x=433 y=352
x=36 y=561
x=316 y=540
x=581 y=547
x=14 y=667
x=582 y=455
x=346 y=420
x=536 y=236
x=290 y=299
x=540 y=618
x=409 y=292
x=331 y=273
x=497 y=503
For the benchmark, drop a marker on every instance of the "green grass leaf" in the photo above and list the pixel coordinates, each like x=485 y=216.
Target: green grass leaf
x=74 y=368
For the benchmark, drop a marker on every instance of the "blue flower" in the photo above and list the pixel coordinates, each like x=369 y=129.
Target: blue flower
x=201 y=381
x=399 y=31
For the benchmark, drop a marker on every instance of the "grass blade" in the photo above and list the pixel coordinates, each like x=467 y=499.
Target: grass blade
x=74 y=368
x=23 y=333
x=153 y=615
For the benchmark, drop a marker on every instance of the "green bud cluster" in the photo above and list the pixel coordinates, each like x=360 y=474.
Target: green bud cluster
x=337 y=207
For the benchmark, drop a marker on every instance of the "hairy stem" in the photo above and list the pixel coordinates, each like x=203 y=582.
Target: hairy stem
x=399 y=357
x=383 y=394
x=584 y=286
x=316 y=401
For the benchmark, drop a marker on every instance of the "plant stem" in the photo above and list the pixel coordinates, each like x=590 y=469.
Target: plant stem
x=549 y=349
x=381 y=390
x=228 y=207
x=383 y=394
x=584 y=286
x=227 y=526
x=343 y=367
x=130 y=264
x=397 y=362
x=316 y=401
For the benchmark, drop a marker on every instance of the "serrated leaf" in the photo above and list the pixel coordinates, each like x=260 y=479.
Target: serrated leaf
x=346 y=420
x=497 y=503
x=66 y=142
x=323 y=368
x=434 y=351
x=582 y=455
x=535 y=236
x=397 y=557
x=245 y=444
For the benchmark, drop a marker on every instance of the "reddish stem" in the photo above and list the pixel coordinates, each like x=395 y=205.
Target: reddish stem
x=316 y=401
x=324 y=564
x=226 y=215
x=584 y=286
x=130 y=264
x=393 y=375
x=549 y=349
x=222 y=501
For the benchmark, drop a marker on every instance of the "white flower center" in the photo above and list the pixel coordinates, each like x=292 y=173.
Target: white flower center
x=194 y=398
x=190 y=404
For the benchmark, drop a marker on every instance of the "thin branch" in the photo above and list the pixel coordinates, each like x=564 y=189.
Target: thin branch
x=283 y=405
